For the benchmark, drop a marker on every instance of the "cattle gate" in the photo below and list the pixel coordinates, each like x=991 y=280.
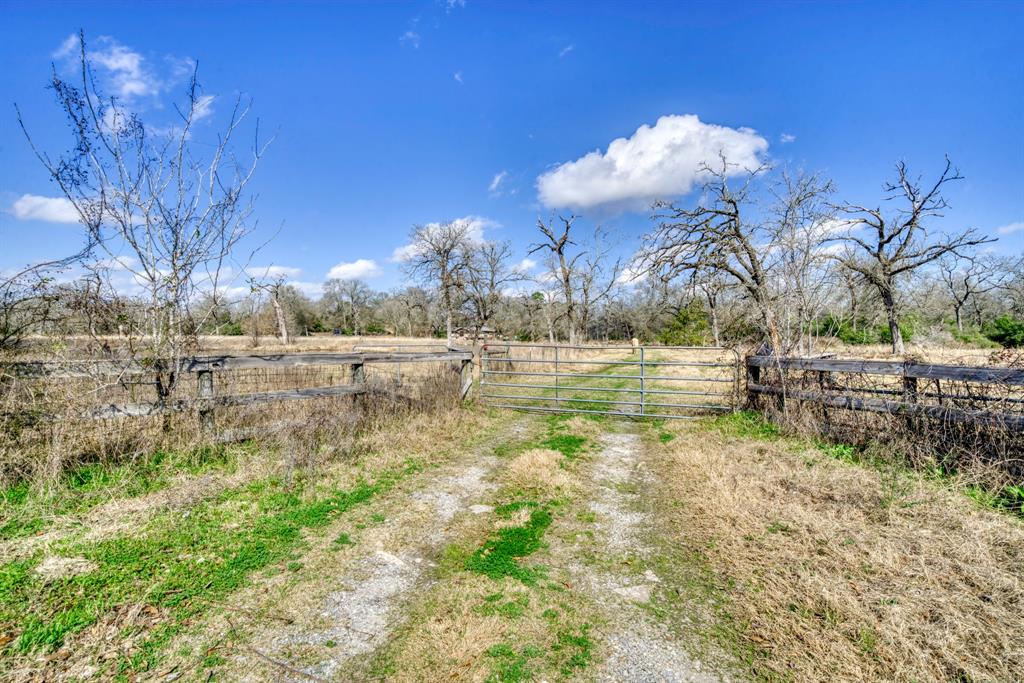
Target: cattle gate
x=678 y=382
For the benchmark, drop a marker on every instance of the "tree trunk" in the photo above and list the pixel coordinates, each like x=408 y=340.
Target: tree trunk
x=448 y=325
x=282 y=324
x=959 y=319
x=713 y=309
x=889 y=302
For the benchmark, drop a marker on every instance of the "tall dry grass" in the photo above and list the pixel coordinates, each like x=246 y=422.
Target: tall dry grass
x=835 y=572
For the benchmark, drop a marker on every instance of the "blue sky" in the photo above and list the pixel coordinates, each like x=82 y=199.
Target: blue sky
x=389 y=115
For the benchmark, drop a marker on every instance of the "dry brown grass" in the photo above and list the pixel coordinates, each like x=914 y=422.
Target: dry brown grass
x=538 y=470
x=843 y=573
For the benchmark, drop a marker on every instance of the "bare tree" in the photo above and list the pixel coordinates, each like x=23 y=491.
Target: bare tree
x=715 y=237
x=488 y=275
x=438 y=259
x=273 y=288
x=967 y=277
x=176 y=209
x=898 y=242
x=584 y=275
x=562 y=266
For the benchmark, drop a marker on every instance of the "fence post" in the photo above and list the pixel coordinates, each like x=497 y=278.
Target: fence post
x=206 y=421
x=358 y=378
x=466 y=375
x=753 y=377
x=643 y=393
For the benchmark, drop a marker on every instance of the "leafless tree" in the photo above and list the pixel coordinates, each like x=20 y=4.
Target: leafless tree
x=967 y=277
x=488 y=275
x=438 y=259
x=273 y=287
x=349 y=294
x=715 y=237
x=585 y=276
x=177 y=210
x=562 y=266
x=898 y=242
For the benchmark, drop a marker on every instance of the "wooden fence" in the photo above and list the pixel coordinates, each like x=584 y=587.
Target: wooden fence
x=204 y=369
x=914 y=389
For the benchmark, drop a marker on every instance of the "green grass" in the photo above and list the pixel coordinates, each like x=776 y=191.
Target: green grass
x=26 y=510
x=180 y=563
x=499 y=555
x=568 y=445
x=748 y=424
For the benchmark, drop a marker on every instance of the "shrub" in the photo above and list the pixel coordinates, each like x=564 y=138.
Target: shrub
x=1006 y=330
x=688 y=328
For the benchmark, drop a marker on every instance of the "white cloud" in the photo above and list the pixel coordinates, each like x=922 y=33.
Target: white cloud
x=1011 y=228
x=452 y=4
x=272 y=272
x=458 y=77
x=566 y=50
x=786 y=138
x=631 y=275
x=314 y=290
x=129 y=75
x=410 y=37
x=31 y=207
x=495 y=187
x=203 y=108
x=359 y=269
x=656 y=162
x=525 y=266
x=475 y=232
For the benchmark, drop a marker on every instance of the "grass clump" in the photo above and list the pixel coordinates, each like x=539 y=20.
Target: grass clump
x=499 y=555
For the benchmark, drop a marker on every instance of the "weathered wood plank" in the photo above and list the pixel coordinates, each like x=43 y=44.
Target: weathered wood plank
x=876 y=405
x=112 y=411
x=99 y=368
x=1013 y=376
x=302 y=359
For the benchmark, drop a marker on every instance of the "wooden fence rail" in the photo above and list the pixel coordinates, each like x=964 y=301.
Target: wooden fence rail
x=909 y=391
x=204 y=368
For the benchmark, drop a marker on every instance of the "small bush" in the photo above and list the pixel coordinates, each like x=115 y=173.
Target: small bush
x=1006 y=330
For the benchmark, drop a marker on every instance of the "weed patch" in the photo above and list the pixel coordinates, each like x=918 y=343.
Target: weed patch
x=499 y=555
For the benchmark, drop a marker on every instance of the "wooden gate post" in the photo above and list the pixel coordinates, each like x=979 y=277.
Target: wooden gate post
x=206 y=417
x=359 y=379
x=466 y=377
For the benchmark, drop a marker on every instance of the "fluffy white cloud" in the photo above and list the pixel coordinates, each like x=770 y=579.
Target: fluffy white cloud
x=1011 y=228
x=458 y=77
x=128 y=73
x=314 y=290
x=566 y=50
x=525 y=266
x=786 y=138
x=31 y=207
x=475 y=226
x=271 y=272
x=359 y=269
x=660 y=161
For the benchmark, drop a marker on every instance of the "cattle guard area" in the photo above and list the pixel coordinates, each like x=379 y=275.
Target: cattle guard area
x=677 y=382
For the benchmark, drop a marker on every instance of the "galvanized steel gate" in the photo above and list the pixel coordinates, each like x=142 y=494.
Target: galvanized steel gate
x=680 y=382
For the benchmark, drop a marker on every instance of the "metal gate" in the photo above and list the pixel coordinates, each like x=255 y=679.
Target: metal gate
x=680 y=382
